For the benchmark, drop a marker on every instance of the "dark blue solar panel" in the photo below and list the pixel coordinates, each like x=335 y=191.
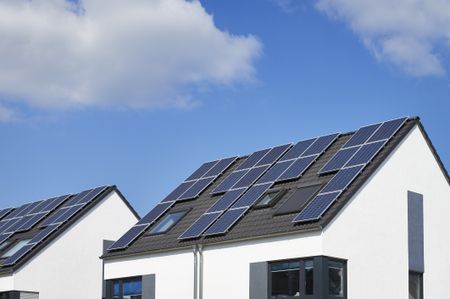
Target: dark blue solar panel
x=129 y=237
x=253 y=159
x=339 y=159
x=18 y=255
x=342 y=179
x=43 y=234
x=252 y=195
x=75 y=198
x=200 y=225
x=297 y=168
x=69 y=213
x=225 y=222
x=175 y=194
x=232 y=179
x=388 y=129
x=4 y=224
x=31 y=221
x=53 y=217
x=320 y=145
x=202 y=170
x=197 y=188
x=274 y=154
x=155 y=213
x=5 y=237
x=275 y=172
x=220 y=167
x=366 y=153
x=315 y=209
x=298 y=149
x=226 y=200
x=12 y=225
x=16 y=224
x=54 y=203
x=5 y=212
x=89 y=197
x=362 y=135
x=19 y=211
x=251 y=177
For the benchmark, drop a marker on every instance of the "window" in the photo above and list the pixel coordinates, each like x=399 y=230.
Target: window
x=270 y=198
x=336 y=279
x=15 y=248
x=298 y=199
x=129 y=288
x=308 y=278
x=415 y=285
x=167 y=222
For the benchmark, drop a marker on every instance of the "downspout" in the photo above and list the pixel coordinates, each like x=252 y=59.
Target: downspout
x=200 y=274
x=194 y=249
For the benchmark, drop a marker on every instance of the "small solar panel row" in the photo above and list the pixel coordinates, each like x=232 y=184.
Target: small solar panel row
x=350 y=161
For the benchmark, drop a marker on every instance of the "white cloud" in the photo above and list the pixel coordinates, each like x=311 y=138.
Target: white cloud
x=150 y=53
x=7 y=114
x=288 y=6
x=407 y=33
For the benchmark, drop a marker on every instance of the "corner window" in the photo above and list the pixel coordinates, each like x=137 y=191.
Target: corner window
x=129 y=288
x=415 y=285
x=167 y=222
x=270 y=198
x=336 y=279
x=15 y=248
x=308 y=278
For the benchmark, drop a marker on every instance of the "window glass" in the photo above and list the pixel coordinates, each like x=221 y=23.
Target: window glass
x=269 y=198
x=132 y=289
x=336 y=278
x=285 y=279
x=309 y=277
x=167 y=222
x=116 y=290
x=15 y=248
x=415 y=285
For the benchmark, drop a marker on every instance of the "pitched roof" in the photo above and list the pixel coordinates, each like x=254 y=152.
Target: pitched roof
x=261 y=223
x=53 y=218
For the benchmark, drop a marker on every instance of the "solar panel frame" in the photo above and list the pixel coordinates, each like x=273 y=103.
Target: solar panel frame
x=196 y=189
x=227 y=200
x=362 y=135
x=155 y=213
x=225 y=222
x=90 y=196
x=200 y=226
x=274 y=154
x=388 y=129
x=275 y=171
x=298 y=149
x=251 y=177
x=252 y=195
x=178 y=191
x=5 y=212
x=230 y=181
x=31 y=222
x=342 y=179
x=129 y=237
x=339 y=159
x=220 y=167
x=297 y=169
x=320 y=145
x=366 y=153
x=253 y=159
x=317 y=207
x=204 y=168
x=5 y=237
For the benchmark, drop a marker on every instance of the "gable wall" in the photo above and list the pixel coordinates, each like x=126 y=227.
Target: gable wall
x=70 y=267
x=372 y=230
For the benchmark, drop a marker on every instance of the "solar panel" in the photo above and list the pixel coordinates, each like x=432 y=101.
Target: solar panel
x=53 y=217
x=275 y=171
x=31 y=221
x=273 y=155
x=320 y=145
x=251 y=177
x=201 y=170
x=297 y=168
x=339 y=159
x=183 y=187
x=129 y=237
x=230 y=181
x=75 y=198
x=252 y=195
x=226 y=201
x=195 y=190
x=220 y=167
x=18 y=211
x=43 y=234
x=69 y=213
x=388 y=129
x=362 y=135
x=298 y=149
x=253 y=159
x=5 y=237
x=342 y=179
x=87 y=198
x=18 y=255
x=5 y=212
x=200 y=225
x=315 y=208
x=225 y=222
x=155 y=213
x=54 y=203
x=366 y=153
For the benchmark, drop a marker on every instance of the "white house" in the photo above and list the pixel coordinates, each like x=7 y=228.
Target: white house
x=359 y=215
x=50 y=249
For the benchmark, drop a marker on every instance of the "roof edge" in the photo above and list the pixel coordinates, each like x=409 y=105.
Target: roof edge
x=129 y=205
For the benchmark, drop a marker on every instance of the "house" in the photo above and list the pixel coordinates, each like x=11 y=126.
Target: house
x=50 y=249
x=354 y=215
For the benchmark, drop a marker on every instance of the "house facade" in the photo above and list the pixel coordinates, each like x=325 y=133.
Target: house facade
x=365 y=217
x=50 y=249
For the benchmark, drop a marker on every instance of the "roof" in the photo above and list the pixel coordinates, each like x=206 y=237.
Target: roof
x=90 y=198
x=261 y=223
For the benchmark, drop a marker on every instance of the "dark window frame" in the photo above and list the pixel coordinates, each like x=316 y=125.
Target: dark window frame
x=280 y=193
x=420 y=275
x=150 y=233
x=321 y=283
x=291 y=193
x=110 y=286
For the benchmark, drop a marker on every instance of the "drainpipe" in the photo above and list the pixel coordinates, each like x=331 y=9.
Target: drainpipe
x=194 y=249
x=200 y=274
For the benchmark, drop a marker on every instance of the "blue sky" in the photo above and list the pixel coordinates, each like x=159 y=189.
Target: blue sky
x=296 y=70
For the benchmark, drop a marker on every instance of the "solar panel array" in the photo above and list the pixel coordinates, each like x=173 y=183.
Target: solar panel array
x=349 y=161
x=289 y=162
x=27 y=216
x=191 y=188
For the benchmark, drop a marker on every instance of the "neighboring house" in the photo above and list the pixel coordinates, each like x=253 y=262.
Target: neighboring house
x=50 y=249
x=360 y=215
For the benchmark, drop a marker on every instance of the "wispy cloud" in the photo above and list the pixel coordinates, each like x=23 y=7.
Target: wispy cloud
x=140 y=53
x=406 y=33
x=7 y=114
x=288 y=6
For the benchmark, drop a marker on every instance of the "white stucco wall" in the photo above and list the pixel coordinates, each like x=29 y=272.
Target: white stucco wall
x=371 y=232
x=69 y=267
